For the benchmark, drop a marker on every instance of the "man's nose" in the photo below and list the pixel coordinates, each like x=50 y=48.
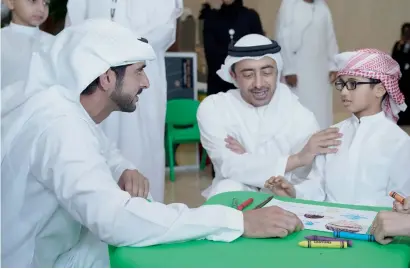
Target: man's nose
x=258 y=81
x=145 y=81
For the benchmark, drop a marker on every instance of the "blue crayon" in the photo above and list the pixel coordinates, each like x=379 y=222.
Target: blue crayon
x=363 y=237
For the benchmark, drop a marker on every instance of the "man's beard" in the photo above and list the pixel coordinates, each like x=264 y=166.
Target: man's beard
x=125 y=102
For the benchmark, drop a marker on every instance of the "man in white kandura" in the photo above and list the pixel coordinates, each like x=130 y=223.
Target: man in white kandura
x=66 y=192
x=260 y=129
x=140 y=136
x=304 y=29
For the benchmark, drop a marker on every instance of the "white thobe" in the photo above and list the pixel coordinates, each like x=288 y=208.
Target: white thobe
x=18 y=42
x=270 y=134
x=306 y=34
x=373 y=159
x=140 y=135
x=59 y=180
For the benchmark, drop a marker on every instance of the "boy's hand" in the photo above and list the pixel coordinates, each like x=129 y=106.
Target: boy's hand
x=281 y=187
x=388 y=224
x=323 y=142
x=292 y=80
x=402 y=208
x=332 y=76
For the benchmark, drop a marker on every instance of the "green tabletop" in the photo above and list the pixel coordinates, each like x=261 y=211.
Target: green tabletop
x=273 y=252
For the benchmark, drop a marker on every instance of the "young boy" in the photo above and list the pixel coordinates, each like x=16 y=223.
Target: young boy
x=22 y=38
x=374 y=156
x=388 y=224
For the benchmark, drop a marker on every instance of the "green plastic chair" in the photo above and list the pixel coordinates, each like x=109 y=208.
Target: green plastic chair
x=182 y=128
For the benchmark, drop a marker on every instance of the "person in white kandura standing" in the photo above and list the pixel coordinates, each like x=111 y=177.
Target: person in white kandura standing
x=305 y=31
x=140 y=135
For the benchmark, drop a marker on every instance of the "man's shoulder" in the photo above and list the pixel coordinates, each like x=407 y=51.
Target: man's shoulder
x=215 y=101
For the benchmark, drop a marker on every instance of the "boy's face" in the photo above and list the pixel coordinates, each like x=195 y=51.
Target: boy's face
x=28 y=12
x=360 y=99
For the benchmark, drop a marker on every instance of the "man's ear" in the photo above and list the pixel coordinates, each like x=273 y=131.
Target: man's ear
x=233 y=74
x=108 y=80
x=380 y=91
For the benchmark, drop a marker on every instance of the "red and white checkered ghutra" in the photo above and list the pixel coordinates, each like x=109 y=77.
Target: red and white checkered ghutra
x=376 y=64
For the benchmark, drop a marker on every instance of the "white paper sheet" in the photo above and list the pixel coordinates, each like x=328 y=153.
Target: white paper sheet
x=327 y=219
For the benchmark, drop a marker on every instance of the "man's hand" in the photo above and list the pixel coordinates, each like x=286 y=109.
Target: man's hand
x=388 y=224
x=402 y=208
x=292 y=80
x=320 y=143
x=234 y=145
x=134 y=183
x=332 y=76
x=270 y=221
x=280 y=186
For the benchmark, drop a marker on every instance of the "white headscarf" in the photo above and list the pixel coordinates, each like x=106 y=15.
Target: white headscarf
x=251 y=40
x=78 y=55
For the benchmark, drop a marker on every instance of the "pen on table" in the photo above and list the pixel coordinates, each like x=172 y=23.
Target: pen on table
x=397 y=196
x=245 y=204
x=323 y=244
x=264 y=202
x=363 y=237
x=326 y=238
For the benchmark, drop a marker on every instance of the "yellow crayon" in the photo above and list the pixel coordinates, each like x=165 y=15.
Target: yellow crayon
x=323 y=244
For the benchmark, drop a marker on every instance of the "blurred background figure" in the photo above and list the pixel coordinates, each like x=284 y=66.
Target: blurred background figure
x=140 y=135
x=21 y=37
x=304 y=29
x=221 y=27
x=401 y=53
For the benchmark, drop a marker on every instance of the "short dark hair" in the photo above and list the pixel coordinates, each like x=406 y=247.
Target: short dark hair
x=233 y=68
x=404 y=26
x=119 y=72
x=374 y=82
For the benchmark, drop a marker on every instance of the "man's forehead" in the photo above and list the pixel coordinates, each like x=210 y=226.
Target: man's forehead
x=255 y=63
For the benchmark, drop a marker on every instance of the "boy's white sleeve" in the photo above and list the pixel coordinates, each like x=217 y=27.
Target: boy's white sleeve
x=313 y=187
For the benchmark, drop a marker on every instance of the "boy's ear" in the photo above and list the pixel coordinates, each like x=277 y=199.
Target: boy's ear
x=380 y=91
x=9 y=4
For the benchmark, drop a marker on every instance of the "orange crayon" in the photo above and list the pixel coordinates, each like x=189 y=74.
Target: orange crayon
x=397 y=196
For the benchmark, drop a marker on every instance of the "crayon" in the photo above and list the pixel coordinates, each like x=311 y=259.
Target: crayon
x=323 y=244
x=264 y=202
x=363 y=237
x=325 y=238
x=245 y=204
x=397 y=196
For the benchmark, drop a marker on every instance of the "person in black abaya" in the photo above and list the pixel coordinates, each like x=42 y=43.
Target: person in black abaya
x=401 y=53
x=221 y=27
x=216 y=33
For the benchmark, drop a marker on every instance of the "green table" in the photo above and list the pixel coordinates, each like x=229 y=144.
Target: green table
x=273 y=252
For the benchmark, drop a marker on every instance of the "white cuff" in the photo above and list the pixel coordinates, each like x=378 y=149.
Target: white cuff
x=234 y=223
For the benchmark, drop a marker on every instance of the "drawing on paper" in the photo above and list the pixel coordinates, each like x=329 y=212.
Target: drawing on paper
x=313 y=216
x=344 y=226
x=329 y=219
